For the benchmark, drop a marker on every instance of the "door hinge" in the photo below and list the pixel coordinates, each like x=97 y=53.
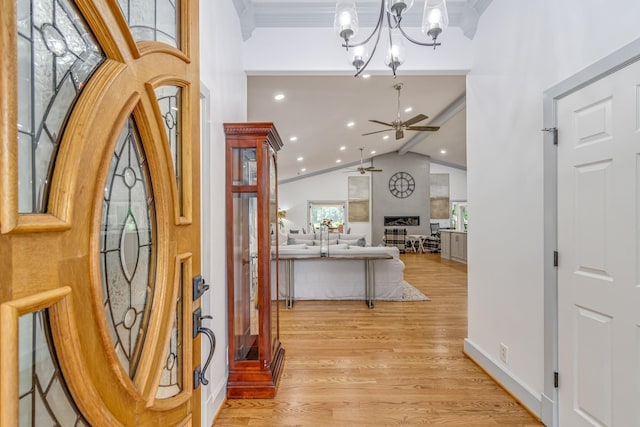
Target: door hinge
x=555 y=134
x=556 y=379
x=555 y=258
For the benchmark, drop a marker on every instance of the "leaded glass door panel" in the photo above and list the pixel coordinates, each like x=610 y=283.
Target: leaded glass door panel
x=99 y=212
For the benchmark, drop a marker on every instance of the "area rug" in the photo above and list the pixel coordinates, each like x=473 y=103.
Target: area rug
x=409 y=293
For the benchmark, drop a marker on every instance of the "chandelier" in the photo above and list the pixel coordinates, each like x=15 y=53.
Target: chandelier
x=434 y=21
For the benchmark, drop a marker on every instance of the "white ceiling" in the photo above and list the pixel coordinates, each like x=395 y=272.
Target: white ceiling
x=317 y=107
x=316 y=110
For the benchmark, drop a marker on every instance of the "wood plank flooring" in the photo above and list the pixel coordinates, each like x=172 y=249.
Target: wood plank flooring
x=398 y=364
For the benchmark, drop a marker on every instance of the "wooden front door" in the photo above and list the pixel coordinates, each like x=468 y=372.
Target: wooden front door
x=99 y=212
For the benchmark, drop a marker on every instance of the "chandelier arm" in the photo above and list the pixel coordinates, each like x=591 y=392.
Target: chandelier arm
x=375 y=46
x=434 y=43
x=393 y=63
x=376 y=29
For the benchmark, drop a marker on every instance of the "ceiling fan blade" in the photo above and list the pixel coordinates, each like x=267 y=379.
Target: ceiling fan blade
x=416 y=119
x=399 y=134
x=378 y=131
x=374 y=170
x=429 y=128
x=382 y=123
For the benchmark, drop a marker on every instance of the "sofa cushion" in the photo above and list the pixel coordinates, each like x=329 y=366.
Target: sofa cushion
x=331 y=242
x=301 y=236
x=297 y=246
x=351 y=236
x=299 y=239
x=354 y=242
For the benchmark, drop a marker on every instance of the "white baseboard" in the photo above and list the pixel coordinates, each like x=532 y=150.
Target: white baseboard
x=548 y=415
x=213 y=404
x=506 y=379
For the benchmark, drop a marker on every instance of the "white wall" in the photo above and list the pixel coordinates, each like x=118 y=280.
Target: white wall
x=318 y=50
x=331 y=186
x=222 y=73
x=521 y=48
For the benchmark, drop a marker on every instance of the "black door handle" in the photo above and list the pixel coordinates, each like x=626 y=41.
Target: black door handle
x=199 y=374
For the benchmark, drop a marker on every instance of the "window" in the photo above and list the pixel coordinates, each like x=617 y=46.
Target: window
x=459 y=216
x=330 y=211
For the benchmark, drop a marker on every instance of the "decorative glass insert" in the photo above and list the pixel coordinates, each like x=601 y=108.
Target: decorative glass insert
x=153 y=20
x=128 y=258
x=245 y=276
x=57 y=55
x=169 y=101
x=171 y=377
x=44 y=397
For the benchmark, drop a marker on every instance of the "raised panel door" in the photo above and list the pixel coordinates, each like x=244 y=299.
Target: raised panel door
x=598 y=273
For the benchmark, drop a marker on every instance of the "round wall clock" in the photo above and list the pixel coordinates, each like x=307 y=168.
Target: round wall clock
x=401 y=184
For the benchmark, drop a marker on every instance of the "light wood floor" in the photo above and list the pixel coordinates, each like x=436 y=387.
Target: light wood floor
x=398 y=364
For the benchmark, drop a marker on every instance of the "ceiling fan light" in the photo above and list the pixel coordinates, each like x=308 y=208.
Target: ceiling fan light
x=398 y=7
x=435 y=18
x=346 y=19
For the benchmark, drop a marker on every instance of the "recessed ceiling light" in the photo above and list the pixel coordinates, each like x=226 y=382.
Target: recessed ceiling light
x=366 y=76
x=343 y=148
x=408 y=109
x=351 y=124
x=373 y=152
x=279 y=97
x=385 y=137
x=293 y=138
x=443 y=151
x=300 y=159
x=303 y=170
x=338 y=161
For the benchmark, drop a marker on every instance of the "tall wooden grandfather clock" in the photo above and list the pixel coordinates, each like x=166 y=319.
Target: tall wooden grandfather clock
x=255 y=353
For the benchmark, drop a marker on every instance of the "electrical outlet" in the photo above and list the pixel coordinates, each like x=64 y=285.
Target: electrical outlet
x=504 y=353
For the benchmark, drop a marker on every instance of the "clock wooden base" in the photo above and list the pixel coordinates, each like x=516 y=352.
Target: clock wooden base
x=258 y=383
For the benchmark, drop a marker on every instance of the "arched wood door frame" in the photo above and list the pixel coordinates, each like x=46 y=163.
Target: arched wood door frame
x=52 y=259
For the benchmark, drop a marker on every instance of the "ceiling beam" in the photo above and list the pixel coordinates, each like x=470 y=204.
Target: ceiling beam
x=443 y=117
x=280 y=14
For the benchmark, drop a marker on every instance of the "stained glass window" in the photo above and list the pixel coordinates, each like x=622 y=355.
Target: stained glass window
x=56 y=56
x=169 y=98
x=127 y=247
x=171 y=378
x=44 y=397
x=153 y=20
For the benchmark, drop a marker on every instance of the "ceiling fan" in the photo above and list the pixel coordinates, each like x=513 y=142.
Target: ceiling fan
x=399 y=126
x=362 y=169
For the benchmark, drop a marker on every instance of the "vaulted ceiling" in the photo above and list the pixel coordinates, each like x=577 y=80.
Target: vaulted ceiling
x=317 y=108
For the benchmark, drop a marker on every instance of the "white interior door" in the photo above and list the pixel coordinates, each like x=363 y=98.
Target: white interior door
x=598 y=237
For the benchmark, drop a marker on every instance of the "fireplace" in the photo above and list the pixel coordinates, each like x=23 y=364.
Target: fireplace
x=401 y=221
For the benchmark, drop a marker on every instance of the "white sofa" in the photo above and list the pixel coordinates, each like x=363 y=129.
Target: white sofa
x=329 y=278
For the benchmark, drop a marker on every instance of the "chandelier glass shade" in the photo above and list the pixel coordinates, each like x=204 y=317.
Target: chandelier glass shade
x=434 y=21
